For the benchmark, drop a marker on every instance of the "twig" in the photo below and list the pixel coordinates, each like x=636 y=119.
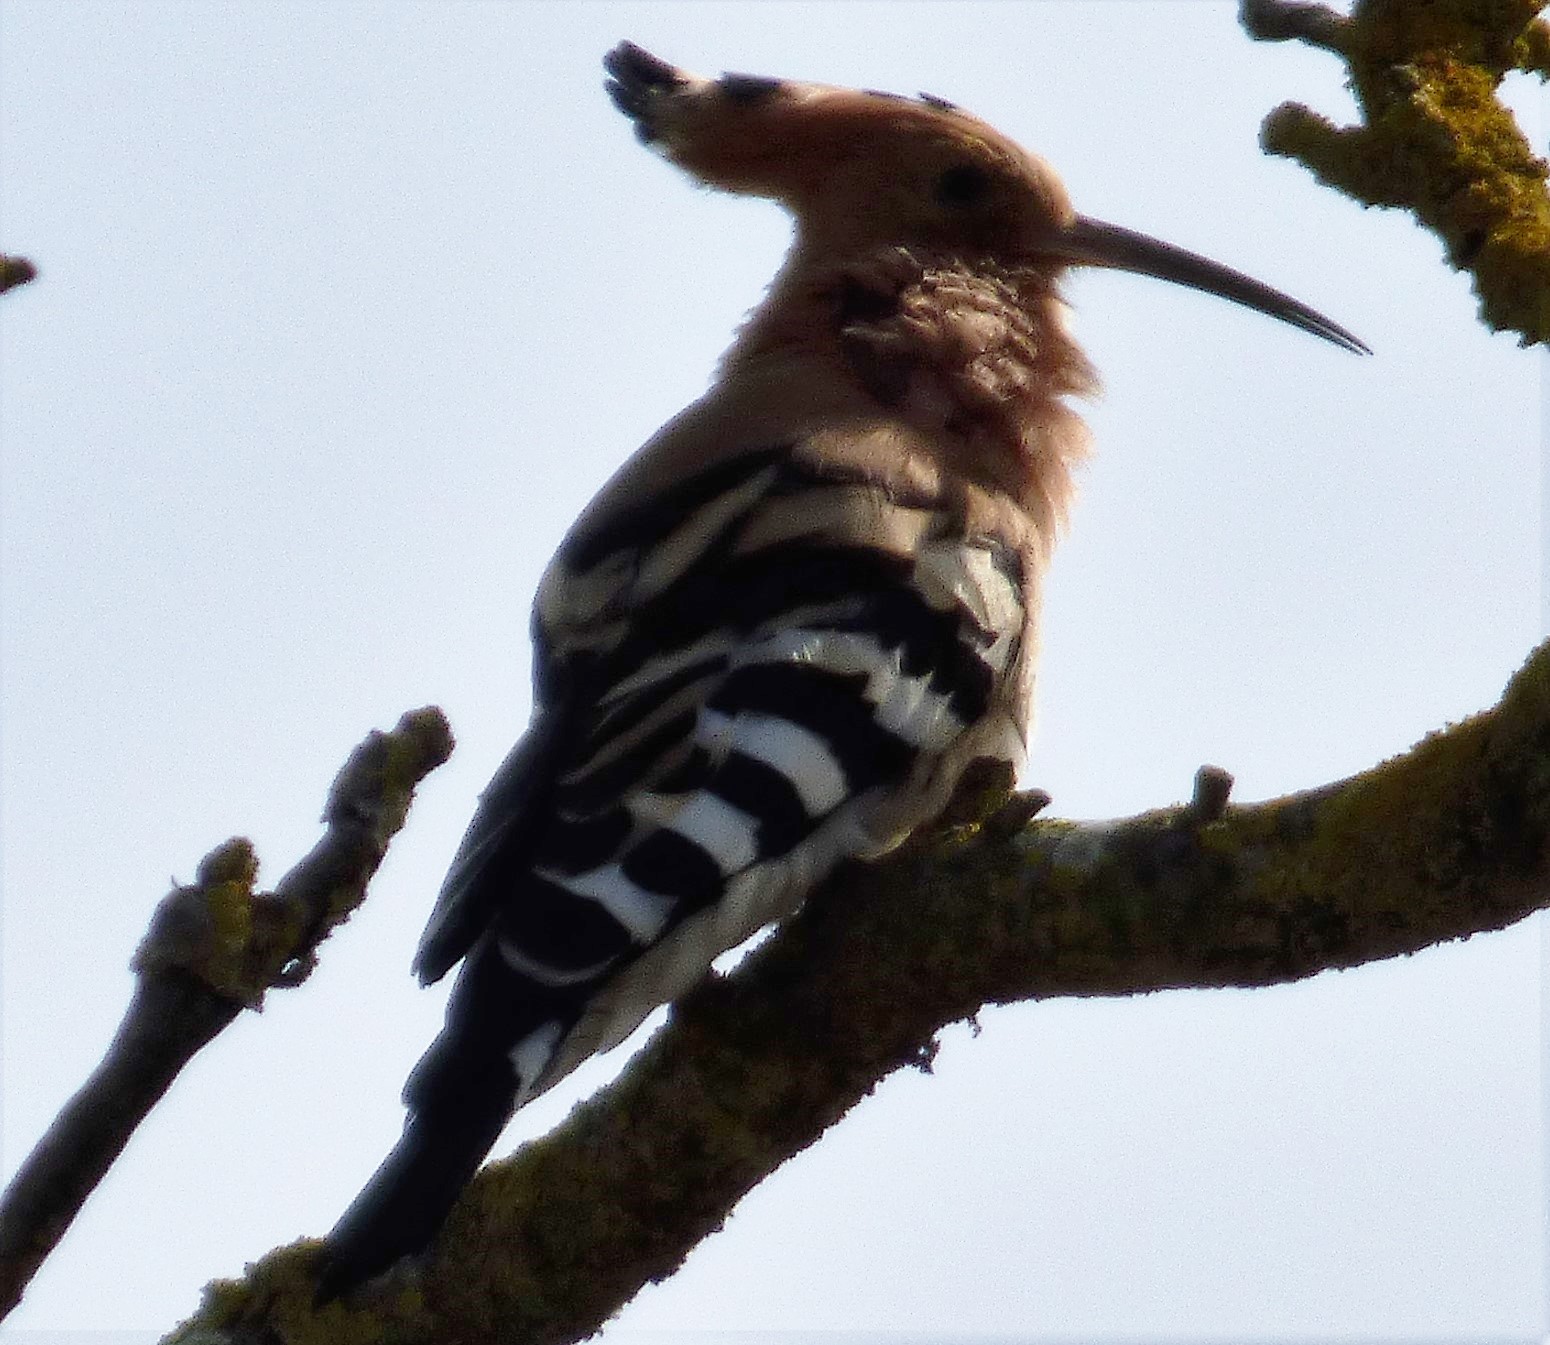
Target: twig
x=15 y=271
x=213 y=948
x=1209 y=802
x=1286 y=20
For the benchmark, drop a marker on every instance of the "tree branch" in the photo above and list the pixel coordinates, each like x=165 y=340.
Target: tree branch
x=1436 y=141
x=15 y=271
x=212 y=949
x=1450 y=839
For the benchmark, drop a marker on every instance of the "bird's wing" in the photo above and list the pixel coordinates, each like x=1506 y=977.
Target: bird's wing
x=497 y=838
x=598 y=593
x=754 y=675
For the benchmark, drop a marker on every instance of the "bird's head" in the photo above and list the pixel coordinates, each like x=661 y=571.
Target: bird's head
x=861 y=170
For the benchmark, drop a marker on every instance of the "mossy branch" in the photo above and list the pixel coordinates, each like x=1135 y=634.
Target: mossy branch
x=213 y=948
x=1447 y=840
x=1436 y=140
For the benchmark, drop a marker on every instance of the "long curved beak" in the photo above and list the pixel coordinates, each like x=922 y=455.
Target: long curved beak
x=1095 y=243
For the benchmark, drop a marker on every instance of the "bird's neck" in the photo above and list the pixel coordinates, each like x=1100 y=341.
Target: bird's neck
x=974 y=358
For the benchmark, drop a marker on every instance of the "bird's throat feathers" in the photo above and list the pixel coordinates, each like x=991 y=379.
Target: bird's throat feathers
x=974 y=358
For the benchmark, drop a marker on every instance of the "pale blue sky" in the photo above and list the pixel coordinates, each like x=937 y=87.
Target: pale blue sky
x=347 y=309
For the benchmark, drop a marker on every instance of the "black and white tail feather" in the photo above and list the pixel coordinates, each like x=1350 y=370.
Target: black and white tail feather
x=734 y=682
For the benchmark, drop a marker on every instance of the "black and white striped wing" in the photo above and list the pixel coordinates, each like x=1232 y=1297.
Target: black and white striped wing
x=752 y=668
x=488 y=863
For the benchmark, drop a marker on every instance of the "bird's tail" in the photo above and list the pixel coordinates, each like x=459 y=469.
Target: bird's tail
x=411 y=1193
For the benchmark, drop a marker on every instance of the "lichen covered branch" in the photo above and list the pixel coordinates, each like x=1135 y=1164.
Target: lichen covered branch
x=1447 y=840
x=1436 y=140
x=213 y=948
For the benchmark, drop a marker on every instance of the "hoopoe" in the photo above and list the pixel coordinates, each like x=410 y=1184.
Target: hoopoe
x=783 y=629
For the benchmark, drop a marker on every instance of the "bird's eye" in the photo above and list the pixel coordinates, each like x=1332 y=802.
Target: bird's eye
x=961 y=185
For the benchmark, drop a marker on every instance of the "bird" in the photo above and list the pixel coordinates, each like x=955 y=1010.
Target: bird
x=787 y=625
